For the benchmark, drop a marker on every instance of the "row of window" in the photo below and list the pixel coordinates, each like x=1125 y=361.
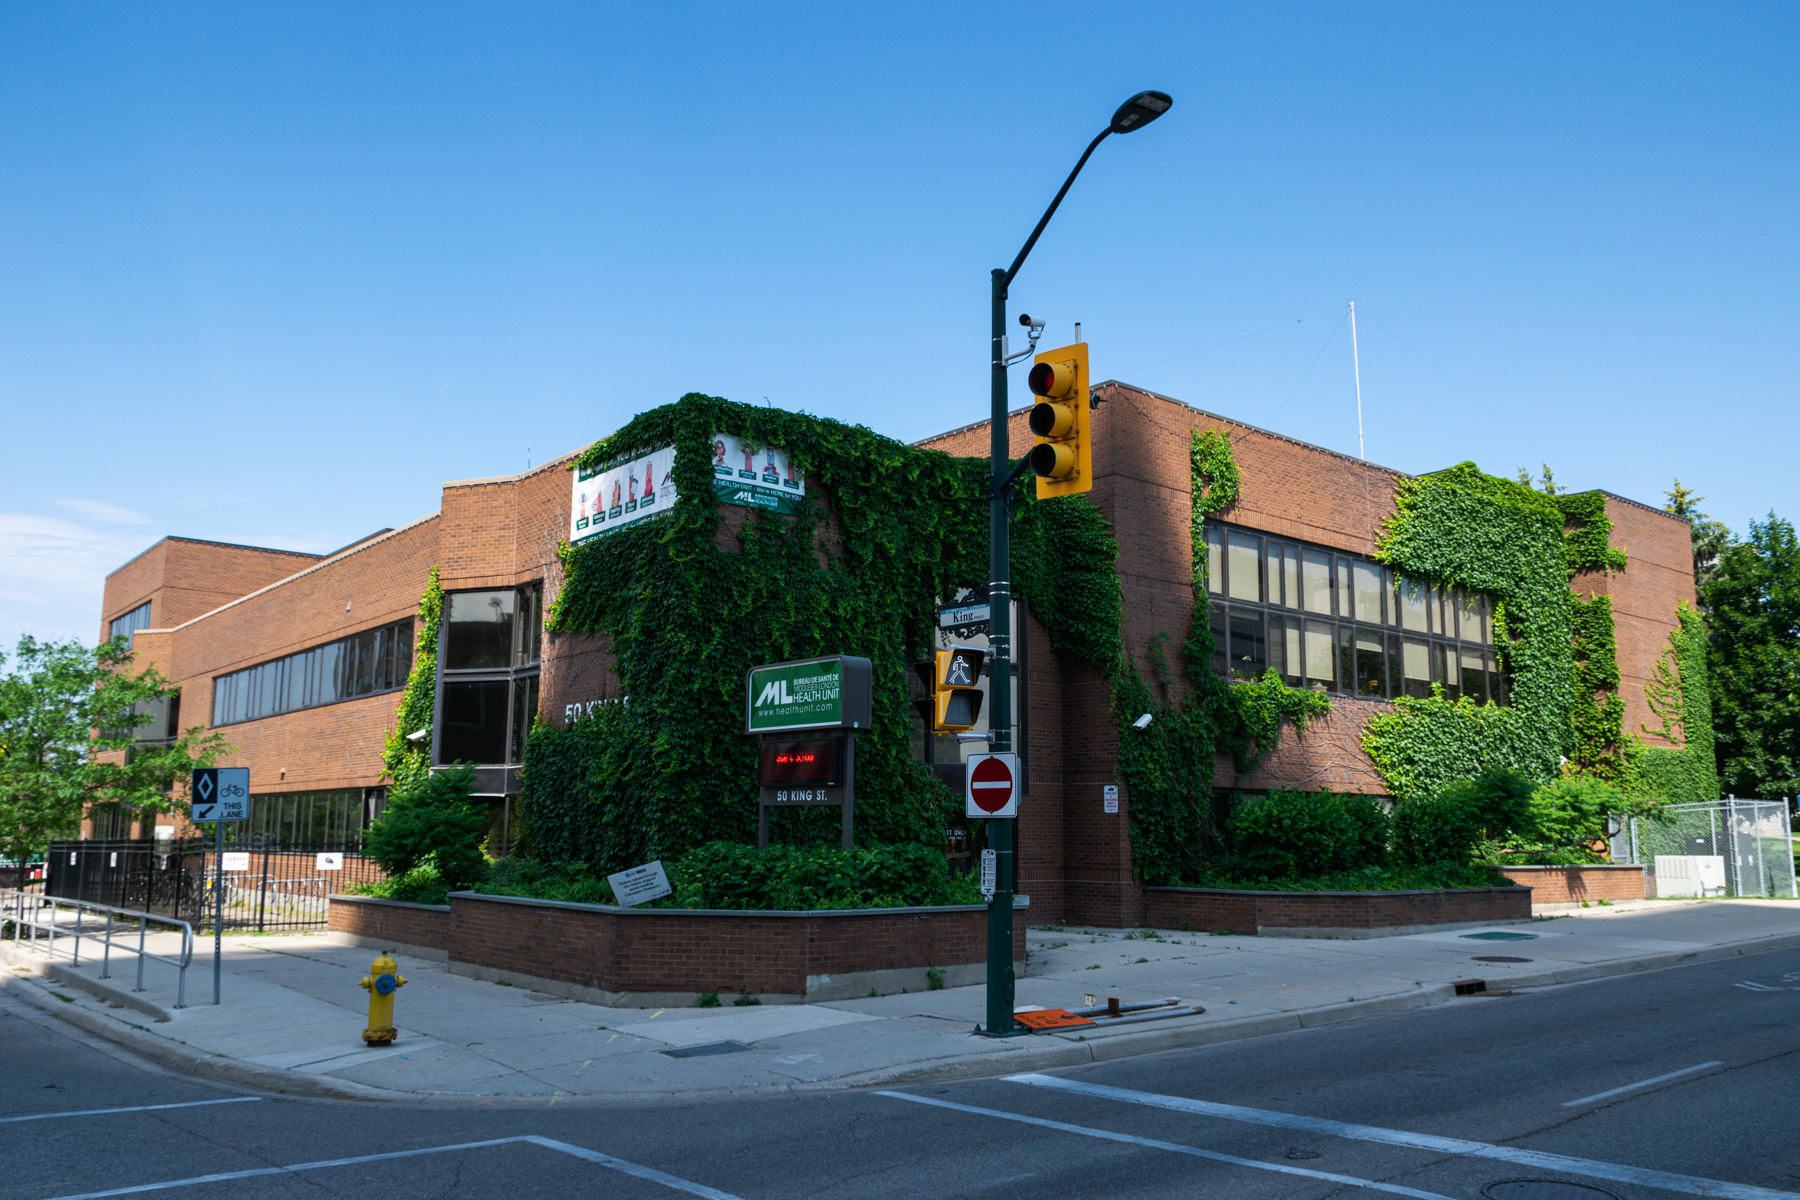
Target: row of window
x=1332 y=657
x=303 y=818
x=376 y=660
x=138 y=618
x=1250 y=568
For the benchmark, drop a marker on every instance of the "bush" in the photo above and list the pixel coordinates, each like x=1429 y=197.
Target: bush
x=435 y=821
x=1447 y=827
x=1294 y=834
x=733 y=876
x=421 y=885
x=1572 y=811
x=1368 y=879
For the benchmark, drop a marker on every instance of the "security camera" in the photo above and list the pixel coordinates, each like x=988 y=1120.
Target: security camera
x=1143 y=722
x=1031 y=322
x=419 y=735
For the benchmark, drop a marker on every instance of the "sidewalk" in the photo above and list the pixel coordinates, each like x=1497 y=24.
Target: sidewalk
x=293 y=1014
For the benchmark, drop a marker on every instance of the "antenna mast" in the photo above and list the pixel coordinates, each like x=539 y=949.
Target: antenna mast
x=1356 y=365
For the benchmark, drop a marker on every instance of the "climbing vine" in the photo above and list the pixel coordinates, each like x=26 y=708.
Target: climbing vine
x=688 y=601
x=407 y=760
x=1521 y=547
x=1168 y=765
x=1679 y=697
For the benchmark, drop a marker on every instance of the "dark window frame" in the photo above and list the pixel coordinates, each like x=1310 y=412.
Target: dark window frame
x=298 y=681
x=521 y=673
x=1367 y=656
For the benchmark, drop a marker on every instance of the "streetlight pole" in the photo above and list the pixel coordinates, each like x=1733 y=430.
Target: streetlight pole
x=1135 y=113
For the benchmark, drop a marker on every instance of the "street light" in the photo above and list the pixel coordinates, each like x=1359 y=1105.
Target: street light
x=1132 y=115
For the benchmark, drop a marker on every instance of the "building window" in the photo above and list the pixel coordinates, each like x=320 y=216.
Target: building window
x=1365 y=630
x=488 y=695
x=364 y=664
x=307 y=818
x=138 y=618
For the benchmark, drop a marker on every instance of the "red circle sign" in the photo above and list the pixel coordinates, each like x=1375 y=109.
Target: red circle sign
x=991 y=784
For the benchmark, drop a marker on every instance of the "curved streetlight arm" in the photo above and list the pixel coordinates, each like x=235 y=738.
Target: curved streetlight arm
x=1031 y=241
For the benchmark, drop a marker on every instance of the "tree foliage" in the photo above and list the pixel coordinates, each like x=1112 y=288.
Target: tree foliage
x=69 y=717
x=1709 y=537
x=1753 y=618
x=432 y=822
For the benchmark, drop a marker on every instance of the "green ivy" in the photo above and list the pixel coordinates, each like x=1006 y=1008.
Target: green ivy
x=687 y=606
x=1465 y=528
x=407 y=762
x=1679 y=694
x=1168 y=766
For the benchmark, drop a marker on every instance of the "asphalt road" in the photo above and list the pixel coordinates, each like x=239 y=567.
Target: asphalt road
x=1445 y=1102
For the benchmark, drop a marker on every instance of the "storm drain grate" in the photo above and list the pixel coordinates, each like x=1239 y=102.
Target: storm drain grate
x=1497 y=958
x=708 y=1050
x=1495 y=935
x=1543 y=1189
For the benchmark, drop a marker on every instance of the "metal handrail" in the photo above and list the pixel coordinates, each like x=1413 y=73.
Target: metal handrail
x=15 y=903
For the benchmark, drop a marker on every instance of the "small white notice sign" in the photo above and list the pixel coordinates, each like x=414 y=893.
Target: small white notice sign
x=1109 y=796
x=329 y=862
x=237 y=860
x=639 y=884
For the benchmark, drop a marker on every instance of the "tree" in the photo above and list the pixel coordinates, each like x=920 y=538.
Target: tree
x=1753 y=655
x=63 y=706
x=433 y=820
x=1710 y=537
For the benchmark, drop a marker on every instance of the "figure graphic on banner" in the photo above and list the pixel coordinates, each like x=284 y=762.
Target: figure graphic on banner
x=791 y=480
x=749 y=460
x=584 y=506
x=649 y=490
x=615 y=502
x=769 y=469
x=719 y=455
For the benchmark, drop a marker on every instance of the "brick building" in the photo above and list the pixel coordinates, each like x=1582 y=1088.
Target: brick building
x=299 y=659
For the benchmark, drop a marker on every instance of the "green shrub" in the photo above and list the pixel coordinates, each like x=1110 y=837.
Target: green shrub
x=1448 y=826
x=1292 y=834
x=570 y=881
x=729 y=875
x=1571 y=811
x=434 y=820
x=421 y=885
x=1369 y=879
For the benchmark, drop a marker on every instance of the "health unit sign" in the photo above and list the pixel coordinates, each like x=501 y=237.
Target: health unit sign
x=627 y=490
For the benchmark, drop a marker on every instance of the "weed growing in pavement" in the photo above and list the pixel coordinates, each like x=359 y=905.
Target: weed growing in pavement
x=1143 y=960
x=707 y=1000
x=745 y=999
x=1095 y=967
x=934 y=979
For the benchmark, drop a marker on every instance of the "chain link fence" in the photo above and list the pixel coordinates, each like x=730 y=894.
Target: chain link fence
x=1731 y=847
x=275 y=885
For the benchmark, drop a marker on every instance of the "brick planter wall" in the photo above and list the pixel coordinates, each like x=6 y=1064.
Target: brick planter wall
x=1572 y=885
x=1331 y=914
x=647 y=956
x=422 y=930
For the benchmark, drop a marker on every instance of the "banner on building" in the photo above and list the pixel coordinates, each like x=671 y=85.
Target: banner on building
x=625 y=491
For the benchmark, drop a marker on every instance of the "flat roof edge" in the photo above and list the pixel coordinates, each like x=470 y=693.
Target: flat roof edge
x=175 y=537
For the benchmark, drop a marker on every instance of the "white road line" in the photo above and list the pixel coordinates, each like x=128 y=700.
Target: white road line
x=1642 y=1083
x=1174 y=1147
x=98 y=1112
x=593 y=1156
x=1618 y=1173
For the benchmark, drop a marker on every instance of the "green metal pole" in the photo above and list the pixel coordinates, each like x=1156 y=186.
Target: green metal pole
x=1000 y=830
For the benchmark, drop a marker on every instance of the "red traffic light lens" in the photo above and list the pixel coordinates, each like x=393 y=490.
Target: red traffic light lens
x=1041 y=379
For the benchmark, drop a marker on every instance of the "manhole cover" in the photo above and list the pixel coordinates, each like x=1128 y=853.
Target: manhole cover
x=707 y=1050
x=1495 y=935
x=1498 y=958
x=1543 y=1189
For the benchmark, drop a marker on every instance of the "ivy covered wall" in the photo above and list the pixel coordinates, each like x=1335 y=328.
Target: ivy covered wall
x=1522 y=547
x=887 y=531
x=1680 y=696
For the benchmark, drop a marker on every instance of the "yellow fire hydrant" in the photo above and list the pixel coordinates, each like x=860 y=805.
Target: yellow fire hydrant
x=382 y=981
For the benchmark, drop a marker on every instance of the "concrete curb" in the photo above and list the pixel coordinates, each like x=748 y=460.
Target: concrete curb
x=1036 y=1053
x=168 y=1052
x=70 y=976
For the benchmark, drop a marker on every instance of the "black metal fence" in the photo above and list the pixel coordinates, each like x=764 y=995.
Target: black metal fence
x=269 y=886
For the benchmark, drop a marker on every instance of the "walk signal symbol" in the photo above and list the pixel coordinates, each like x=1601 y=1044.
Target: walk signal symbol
x=953 y=702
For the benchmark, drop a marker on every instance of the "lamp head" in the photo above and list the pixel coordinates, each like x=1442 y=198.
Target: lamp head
x=1140 y=110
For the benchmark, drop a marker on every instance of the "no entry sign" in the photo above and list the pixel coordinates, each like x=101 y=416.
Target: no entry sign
x=993 y=785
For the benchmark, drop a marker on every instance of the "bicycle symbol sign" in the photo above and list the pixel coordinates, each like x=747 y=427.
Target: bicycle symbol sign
x=220 y=794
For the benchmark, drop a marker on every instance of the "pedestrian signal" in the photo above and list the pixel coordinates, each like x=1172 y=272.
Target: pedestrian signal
x=953 y=700
x=1062 y=460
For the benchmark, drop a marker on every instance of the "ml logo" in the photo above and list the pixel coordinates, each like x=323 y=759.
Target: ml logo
x=774 y=692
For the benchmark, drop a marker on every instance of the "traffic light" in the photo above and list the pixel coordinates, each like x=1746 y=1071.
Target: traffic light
x=953 y=702
x=1062 y=460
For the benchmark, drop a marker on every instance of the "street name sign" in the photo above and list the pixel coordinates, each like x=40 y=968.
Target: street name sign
x=993 y=785
x=219 y=794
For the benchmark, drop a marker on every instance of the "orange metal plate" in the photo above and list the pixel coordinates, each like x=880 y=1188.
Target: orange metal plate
x=1050 y=1018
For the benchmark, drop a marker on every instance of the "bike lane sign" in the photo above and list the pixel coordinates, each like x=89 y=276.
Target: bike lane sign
x=220 y=794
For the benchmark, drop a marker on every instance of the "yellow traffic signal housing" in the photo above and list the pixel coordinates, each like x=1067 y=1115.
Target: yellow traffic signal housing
x=953 y=701
x=1062 y=460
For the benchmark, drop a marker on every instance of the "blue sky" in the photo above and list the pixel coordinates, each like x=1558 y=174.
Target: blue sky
x=273 y=273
